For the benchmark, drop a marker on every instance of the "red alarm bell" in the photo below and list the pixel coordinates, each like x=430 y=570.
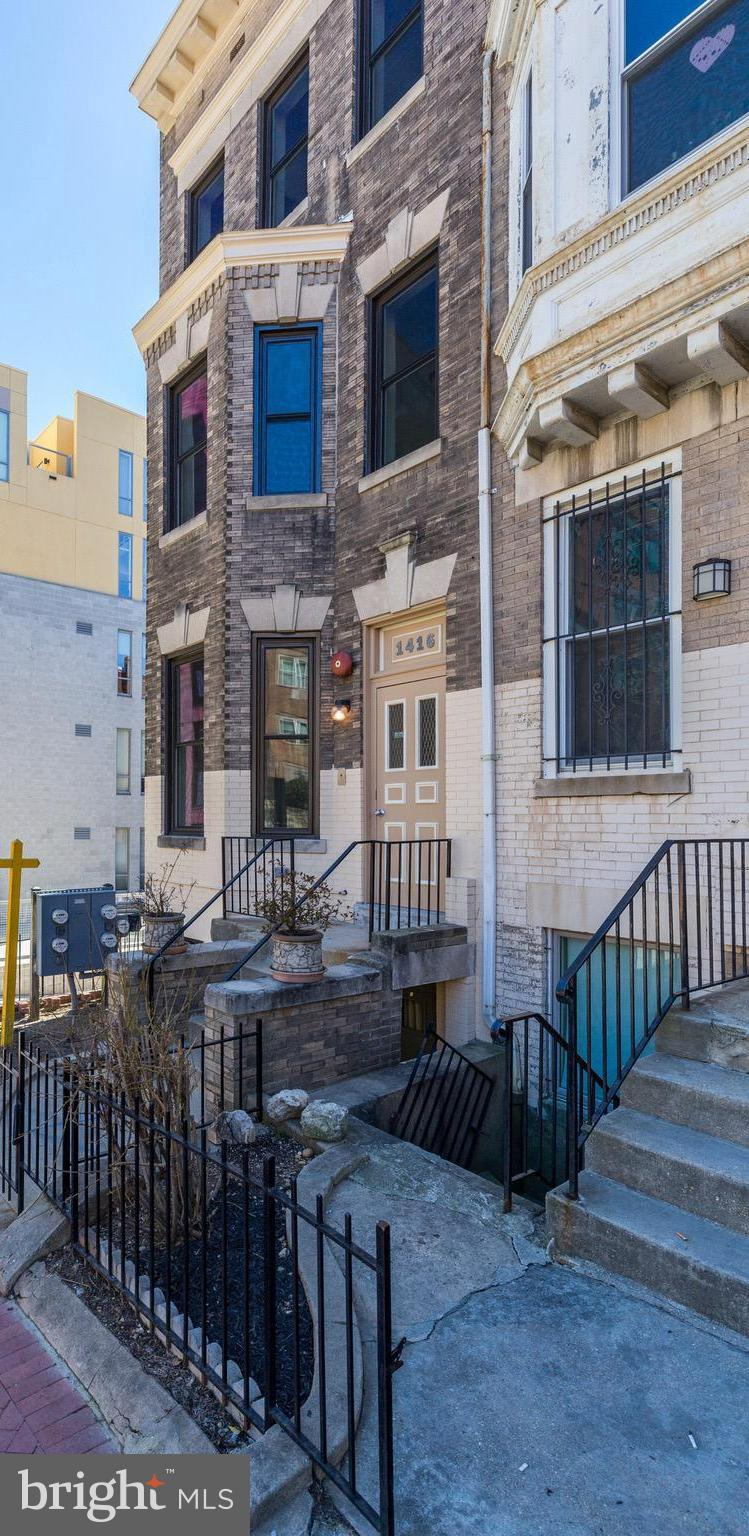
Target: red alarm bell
x=342 y=664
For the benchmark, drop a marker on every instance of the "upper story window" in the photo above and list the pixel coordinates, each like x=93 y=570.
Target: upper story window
x=404 y=404
x=526 y=238
x=124 y=662
x=124 y=565
x=125 y=484
x=188 y=406
x=207 y=209
x=686 y=78
x=145 y=490
x=287 y=411
x=4 y=445
x=612 y=591
x=286 y=142
x=392 y=36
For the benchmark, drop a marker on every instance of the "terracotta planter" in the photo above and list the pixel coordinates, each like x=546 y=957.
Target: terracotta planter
x=157 y=930
x=297 y=956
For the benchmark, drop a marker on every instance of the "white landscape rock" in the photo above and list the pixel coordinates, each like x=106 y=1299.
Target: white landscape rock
x=289 y=1104
x=324 y=1122
x=237 y=1126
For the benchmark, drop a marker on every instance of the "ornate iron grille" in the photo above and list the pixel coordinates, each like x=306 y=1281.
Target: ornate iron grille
x=609 y=636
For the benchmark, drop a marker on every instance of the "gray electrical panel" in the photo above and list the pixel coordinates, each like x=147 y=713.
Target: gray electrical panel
x=77 y=929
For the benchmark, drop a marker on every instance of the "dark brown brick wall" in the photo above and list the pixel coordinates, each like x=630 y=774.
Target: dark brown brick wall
x=714 y=499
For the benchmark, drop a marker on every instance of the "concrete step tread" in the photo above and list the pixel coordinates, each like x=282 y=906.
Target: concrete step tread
x=678 y=1143
x=727 y=1004
x=695 y=1239
x=684 y=1072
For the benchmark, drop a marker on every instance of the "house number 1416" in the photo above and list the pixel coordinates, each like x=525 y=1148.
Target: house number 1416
x=415 y=645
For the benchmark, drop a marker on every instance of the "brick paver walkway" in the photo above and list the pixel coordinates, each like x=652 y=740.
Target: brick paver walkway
x=41 y=1410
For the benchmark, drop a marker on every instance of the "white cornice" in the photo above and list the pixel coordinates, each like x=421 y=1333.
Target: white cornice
x=505 y=26
x=305 y=242
x=185 y=49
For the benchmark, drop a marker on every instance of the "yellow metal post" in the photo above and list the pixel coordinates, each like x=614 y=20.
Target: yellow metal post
x=15 y=865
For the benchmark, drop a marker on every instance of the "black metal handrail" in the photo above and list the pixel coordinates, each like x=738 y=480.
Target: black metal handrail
x=445 y=1102
x=421 y=862
x=680 y=929
x=218 y=895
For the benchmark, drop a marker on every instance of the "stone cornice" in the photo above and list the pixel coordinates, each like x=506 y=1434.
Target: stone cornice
x=621 y=224
x=258 y=247
x=505 y=26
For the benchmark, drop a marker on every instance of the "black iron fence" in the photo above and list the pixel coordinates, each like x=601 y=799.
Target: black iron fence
x=445 y=1102
x=250 y=1288
x=680 y=930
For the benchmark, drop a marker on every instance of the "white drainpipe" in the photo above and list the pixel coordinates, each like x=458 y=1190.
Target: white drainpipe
x=488 y=724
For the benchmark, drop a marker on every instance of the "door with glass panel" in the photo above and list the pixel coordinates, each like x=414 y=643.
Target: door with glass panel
x=408 y=752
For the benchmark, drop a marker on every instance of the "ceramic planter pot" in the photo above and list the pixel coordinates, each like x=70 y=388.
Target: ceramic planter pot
x=297 y=956
x=158 y=928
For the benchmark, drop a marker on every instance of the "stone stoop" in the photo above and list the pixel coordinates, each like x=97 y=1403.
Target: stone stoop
x=664 y=1198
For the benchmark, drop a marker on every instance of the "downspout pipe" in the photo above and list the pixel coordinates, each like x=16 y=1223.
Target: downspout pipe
x=488 y=722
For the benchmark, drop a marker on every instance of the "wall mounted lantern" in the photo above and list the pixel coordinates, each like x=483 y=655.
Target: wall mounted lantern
x=712 y=578
x=341 y=711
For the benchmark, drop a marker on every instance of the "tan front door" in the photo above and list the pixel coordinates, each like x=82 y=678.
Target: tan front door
x=407 y=747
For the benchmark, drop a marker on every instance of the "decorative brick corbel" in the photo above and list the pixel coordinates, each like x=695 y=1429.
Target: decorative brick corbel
x=185 y=630
x=288 y=299
x=286 y=611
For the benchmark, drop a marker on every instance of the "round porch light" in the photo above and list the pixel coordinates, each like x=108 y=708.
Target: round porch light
x=341 y=711
x=712 y=578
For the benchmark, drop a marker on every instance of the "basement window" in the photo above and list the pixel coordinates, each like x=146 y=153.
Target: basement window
x=686 y=79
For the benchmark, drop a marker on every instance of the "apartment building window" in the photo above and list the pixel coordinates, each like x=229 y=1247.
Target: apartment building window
x=404 y=405
x=145 y=490
x=125 y=484
x=124 y=662
x=527 y=177
x=124 y=564
x=189 y=438
x=143 y=762
x=284 y=773
x=207 y=208
x=123 y=761
x=186 y=714
x=144 y=569
x=392 y=55
x=286 y=143
x=4 y=445
x=143 y=666
x=288 y=386
x=686 y=78
x=612 y=635
x=142 y=859
x=122 y=858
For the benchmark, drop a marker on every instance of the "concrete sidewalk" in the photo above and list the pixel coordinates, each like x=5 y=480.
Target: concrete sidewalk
x=42 y=1411
x=536 y=1398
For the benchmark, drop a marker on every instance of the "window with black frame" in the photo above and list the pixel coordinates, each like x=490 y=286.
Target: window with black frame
x=404 y=406
x=285 y=798
x=392 y=55
x=610 y=609
x=686 y=78
x=286 y=142
x=287 y=411
x=189 y=440
x=526 y=237
x=206 y=209
x=185 y=717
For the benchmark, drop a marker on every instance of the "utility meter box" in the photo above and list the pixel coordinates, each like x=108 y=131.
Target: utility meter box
x=77 y=929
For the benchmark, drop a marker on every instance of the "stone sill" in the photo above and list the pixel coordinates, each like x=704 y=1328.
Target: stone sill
x=417 y=90
x=305 y=501
x=295 y=215
x=401 y=466
x=262 y=994
x=603 y=784
x=187 y=844
x=185 y=529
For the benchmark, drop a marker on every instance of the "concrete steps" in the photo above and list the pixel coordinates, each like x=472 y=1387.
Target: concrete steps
x=664 y=1198
x=695 y=1262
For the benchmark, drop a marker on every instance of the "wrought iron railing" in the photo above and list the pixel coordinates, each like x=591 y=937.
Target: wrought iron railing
x=681 y=929
x=445 y=1102
x=258 y=858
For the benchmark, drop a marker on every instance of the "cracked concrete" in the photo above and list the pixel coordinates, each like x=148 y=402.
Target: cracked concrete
x=534 y=1396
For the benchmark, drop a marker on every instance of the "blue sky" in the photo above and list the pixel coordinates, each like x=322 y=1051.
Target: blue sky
x=79 y=231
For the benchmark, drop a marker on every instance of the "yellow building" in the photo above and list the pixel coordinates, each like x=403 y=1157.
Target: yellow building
x=72 y=501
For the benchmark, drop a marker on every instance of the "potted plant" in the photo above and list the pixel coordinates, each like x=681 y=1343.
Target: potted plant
x=162 y=906
x=300 y=910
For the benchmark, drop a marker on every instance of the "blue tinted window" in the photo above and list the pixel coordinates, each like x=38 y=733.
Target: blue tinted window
x=145 y=570
x=125 y=502
x=287 y=395
x=286 y=130
x=698 y=87
x=145 y=490
x=649 y=20
x=125 y=565
x=207 y=210
x=393 y=49
x=405 y=413
x=4 y=444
